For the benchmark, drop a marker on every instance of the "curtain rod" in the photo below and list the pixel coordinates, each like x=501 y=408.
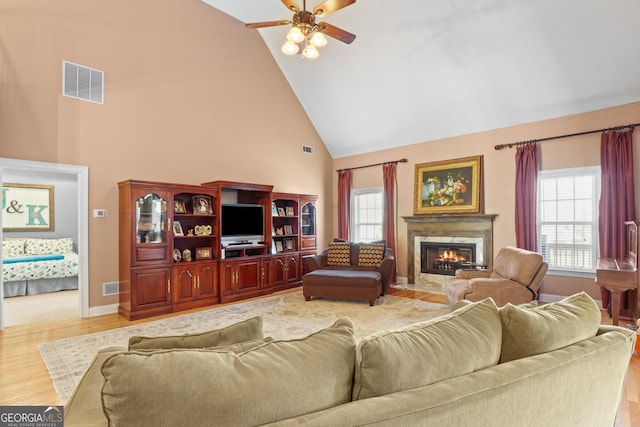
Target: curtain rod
x=375 y=164
x=515 y=144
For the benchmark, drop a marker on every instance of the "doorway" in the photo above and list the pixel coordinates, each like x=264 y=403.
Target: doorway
x=73 y=184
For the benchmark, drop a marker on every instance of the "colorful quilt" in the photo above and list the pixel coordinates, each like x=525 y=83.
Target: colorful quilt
x=31 y=259
x=50 y=269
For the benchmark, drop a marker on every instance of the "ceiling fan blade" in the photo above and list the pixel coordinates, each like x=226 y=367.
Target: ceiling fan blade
x=291 y=5
x=330 y=6
x=336 y=33
x=267 y=24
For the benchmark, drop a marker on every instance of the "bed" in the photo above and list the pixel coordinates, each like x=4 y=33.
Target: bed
x=35 y=266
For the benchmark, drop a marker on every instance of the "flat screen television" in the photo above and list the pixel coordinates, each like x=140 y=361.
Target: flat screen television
x=242 y=223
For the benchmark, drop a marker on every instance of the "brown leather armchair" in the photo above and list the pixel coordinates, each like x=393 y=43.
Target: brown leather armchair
x=516 y=277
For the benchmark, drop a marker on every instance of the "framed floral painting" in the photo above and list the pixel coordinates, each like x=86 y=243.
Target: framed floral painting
x=448 y=186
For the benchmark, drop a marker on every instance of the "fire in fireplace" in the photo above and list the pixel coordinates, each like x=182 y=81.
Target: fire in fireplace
x=446 y=258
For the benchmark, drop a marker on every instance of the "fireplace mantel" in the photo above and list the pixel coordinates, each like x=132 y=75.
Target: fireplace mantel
x=458 y=225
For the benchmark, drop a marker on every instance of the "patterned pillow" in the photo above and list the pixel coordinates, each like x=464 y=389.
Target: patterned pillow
x=49 y=246
x=370 y=255
x=339 y=253
x=12 y=248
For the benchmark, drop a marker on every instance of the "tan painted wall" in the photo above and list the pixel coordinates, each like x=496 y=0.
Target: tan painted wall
x=190 y=96
x=499 y=173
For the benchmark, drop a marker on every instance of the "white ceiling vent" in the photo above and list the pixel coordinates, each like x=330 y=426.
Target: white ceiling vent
x=308 y=149
x=82 y=82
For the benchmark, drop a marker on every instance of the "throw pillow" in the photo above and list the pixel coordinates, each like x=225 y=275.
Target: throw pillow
x=12 y=248
x=339 y=253
x=370 y=255
x=464 y=341
x=271 y=382
x=527 y=332
x=247 y=330
x=49 y=246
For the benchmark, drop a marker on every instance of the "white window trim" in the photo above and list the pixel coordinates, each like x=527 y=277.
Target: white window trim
x=586 y=170
x=354 y=194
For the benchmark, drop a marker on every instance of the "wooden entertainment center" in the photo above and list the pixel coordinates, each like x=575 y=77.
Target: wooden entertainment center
x=172 y=255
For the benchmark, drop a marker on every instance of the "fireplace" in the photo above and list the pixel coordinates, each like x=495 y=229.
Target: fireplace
x=446 y=258
x=460 y=231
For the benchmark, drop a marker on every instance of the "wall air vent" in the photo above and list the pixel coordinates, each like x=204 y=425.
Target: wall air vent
x=308 y=149
x=110 y=288
x=82 y=82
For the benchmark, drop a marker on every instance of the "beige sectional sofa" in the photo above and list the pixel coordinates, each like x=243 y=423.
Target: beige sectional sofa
x=553 y=365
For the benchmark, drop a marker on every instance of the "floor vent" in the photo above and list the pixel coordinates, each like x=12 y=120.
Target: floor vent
x=110 y=288
x=82 y=82
x=308 y=149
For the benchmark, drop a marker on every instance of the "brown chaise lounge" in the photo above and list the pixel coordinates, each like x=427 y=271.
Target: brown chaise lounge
x=351 y=282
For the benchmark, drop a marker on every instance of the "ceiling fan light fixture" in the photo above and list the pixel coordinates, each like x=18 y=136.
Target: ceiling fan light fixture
x=305 y=34
x=310 y=52
x=318 y=39
x=290 y=48
x=295 y=35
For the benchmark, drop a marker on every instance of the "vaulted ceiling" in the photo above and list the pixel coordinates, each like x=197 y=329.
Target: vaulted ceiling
x=425 y=70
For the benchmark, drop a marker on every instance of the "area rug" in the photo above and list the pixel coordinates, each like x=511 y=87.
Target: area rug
x=284 y=316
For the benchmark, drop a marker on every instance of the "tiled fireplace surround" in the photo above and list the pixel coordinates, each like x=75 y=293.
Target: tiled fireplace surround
x=459 y=228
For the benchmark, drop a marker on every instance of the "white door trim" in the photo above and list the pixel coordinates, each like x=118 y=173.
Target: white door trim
x=82 y=180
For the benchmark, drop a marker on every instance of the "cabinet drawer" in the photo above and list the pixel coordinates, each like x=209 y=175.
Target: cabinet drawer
x=151 y=253
x=308 y=242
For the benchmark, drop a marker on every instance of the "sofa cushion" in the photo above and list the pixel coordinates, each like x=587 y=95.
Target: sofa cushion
x=465 y=302
x=370 y=255
x=527 y=332
x=461 y=342
x=247 y=330
x=274 y=381
x=12 y=248
x=343 y=278
x=339 y=253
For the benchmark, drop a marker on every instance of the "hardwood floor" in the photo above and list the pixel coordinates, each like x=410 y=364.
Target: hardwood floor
x=24 y=379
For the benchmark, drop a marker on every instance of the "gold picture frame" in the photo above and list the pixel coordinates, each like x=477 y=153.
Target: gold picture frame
x=202 y=205
x=28 y=207
x=178 y=207
x=448 y=186
x=203 y=253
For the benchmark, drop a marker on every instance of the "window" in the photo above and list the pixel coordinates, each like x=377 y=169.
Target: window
x=366 y=215
x=567 y=218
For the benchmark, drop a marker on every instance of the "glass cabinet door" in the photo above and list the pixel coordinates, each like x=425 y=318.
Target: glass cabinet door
x=308 y=216
x=151 y=219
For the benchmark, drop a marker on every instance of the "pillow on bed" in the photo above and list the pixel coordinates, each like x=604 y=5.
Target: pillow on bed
x=12 y=248
x=49 y=246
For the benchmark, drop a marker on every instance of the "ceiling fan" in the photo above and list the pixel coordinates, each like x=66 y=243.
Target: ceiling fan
x=305 y=31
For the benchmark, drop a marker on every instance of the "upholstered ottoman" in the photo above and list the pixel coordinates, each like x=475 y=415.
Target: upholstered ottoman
x=343 y=284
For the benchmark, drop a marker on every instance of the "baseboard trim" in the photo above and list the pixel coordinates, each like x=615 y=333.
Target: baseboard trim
x=103 y=309
x=555 y=298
